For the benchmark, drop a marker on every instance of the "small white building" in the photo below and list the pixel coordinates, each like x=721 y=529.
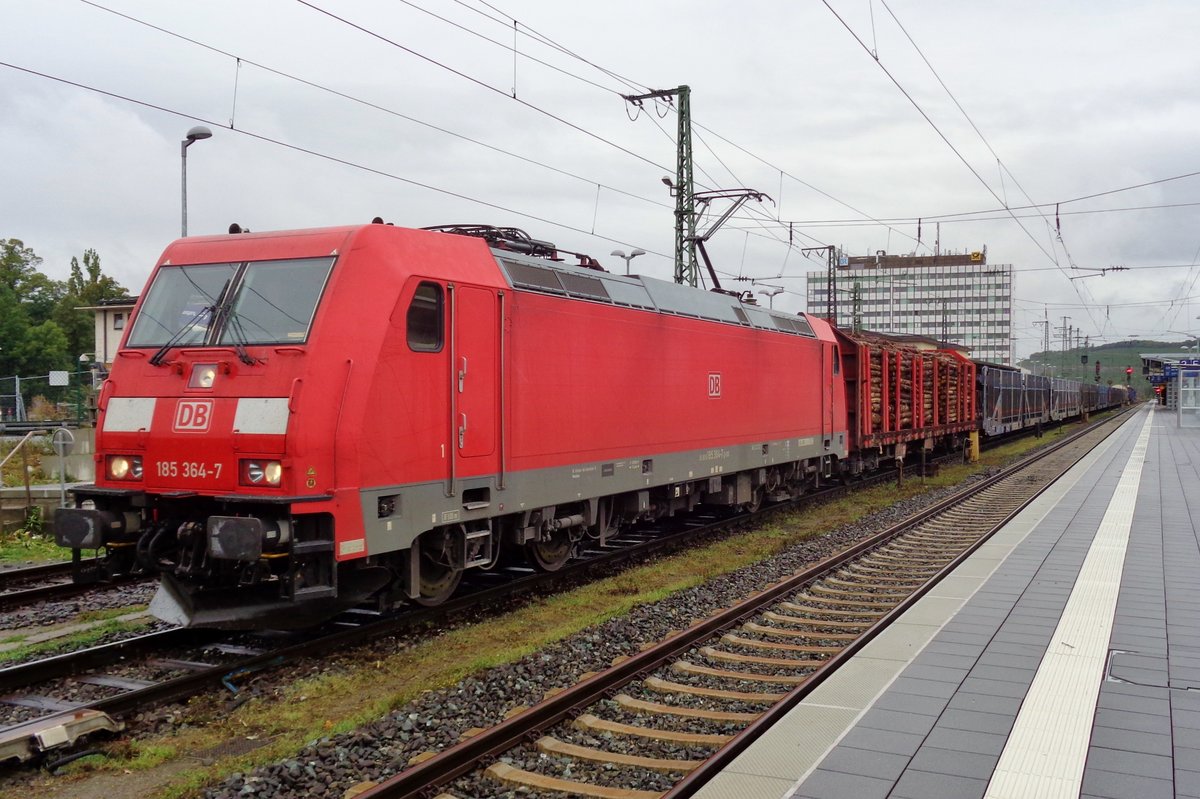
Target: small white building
x=111 y=318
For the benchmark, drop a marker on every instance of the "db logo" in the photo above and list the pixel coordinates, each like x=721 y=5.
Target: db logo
x=714 y=384
x=192 y=416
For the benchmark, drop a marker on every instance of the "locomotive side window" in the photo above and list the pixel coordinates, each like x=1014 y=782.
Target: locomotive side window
x=425 y=319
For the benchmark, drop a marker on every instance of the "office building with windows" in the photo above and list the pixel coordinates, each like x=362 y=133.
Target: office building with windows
x=953 y=297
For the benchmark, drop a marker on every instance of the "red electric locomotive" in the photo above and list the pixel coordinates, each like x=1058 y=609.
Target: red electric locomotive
x=300 y=420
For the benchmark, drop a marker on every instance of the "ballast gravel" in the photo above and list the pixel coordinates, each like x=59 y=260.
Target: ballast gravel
x=44 y=614
x=326 y=768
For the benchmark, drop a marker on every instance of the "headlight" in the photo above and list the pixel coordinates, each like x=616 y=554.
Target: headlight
x=124 y=467
x=203 y=375
x=256 y=472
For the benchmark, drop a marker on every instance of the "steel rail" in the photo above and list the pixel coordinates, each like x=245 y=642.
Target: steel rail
x=56 y=667
x=466 y=756
x=38 y=572
x=697 y=778
x=58 y=591
x=16 y=678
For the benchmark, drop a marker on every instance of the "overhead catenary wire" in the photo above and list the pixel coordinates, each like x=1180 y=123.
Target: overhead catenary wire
x=378 y=107
x=951 y=219
x=372 y=105
x=642 y=87
x=939 y=132
x=481 y=83
x=763 y=230
x=318 y=154
x=502 y=45
x=533 y=34
x=551 y=43
x=1002 y=168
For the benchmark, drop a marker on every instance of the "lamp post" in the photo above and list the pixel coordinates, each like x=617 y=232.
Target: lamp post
x=771 y=291
x=628 y=258
x=194 y=135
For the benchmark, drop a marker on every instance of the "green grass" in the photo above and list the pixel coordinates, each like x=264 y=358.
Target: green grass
x=19 y=546
x=108 y=613
x=134 y=755
x=67 y=643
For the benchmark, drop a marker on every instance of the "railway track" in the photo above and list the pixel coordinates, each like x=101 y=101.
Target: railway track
x=47 y=582
x=77 y=693
x=44 y=582
x=74 y=694
x=663 y=721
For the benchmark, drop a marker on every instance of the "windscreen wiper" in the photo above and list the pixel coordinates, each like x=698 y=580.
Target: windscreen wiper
x=157 y=358
x=233 y=326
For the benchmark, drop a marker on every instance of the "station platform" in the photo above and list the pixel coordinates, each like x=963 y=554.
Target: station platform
x=1061 y=660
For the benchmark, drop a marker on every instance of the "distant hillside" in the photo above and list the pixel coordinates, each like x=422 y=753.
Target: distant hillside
x=1113 y=359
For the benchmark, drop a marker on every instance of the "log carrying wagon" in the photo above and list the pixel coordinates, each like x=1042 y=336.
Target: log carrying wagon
x=898 y=393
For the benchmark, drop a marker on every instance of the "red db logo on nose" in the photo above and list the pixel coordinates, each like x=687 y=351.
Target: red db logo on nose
x=192 y=416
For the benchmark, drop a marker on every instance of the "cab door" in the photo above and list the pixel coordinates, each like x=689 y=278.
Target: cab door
x=832 y=367
x=475 y=379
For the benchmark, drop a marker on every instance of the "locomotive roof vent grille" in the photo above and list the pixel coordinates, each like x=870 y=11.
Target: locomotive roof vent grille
x=650 y=295
x=790 y=324
x=534 y=278
x=581 y=286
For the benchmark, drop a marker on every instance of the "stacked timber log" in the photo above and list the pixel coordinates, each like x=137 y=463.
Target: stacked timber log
x=875 y=359
x=932 y=370
x=907 y=384
x=908 y=392
x=951 y=377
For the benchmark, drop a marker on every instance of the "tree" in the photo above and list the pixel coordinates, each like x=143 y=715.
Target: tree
x=44 y=349
x=14 y=321
x=19 y=273
x=87 y=285
x=17 y=264
x=40 y=329
x=97 y=285
x=41 y=295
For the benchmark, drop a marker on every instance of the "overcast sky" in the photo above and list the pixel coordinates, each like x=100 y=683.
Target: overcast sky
x=393 y=111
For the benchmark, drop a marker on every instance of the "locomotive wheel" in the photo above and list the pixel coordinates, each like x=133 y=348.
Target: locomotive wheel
x=756 y=502
x=439 y=576
x=437 y=583
x=550 y=555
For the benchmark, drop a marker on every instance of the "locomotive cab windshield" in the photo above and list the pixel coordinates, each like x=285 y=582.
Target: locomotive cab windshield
x=229 y=304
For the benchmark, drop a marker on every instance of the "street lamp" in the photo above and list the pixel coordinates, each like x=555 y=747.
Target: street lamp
x=771 y=291
x=194 y=135
x=628 y=258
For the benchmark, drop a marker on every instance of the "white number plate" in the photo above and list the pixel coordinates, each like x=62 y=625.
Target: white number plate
x=191 y=469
